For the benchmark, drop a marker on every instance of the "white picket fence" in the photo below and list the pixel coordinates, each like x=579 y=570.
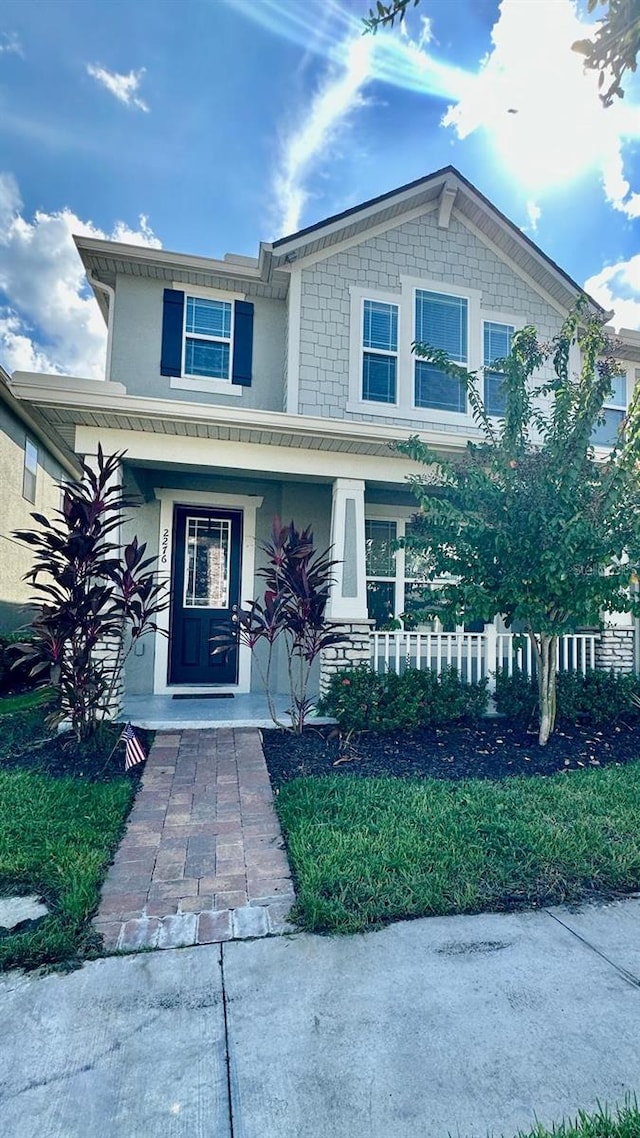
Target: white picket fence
x=475 y=655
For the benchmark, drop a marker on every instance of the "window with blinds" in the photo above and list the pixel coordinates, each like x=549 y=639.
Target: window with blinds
x=379 y=352
x=207 y=348
x=605 y=433
x=442 y=321
x=496 y=345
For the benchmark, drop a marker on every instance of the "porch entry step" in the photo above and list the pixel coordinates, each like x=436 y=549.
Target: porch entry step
x=206 y=695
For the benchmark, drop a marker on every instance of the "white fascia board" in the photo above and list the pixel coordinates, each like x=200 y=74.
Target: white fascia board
x=357 y=215
x=283 y=462
x=55 y=446
x=517 y=267
x=111 y=398
x=91 y=247
x=43 y=388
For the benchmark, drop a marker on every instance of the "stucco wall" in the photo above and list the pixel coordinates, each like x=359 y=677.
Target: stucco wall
x=454 y=257
x=137 y=335
x=16 y=559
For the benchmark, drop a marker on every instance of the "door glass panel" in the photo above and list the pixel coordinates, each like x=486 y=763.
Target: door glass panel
x=206 y=563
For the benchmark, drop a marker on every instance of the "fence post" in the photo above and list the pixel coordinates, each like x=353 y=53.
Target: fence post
x=491 y=659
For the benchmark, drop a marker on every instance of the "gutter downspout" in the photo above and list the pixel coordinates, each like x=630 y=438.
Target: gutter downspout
x=110 y=294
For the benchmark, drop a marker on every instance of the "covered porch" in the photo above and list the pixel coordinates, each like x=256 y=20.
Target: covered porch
x=168 y=713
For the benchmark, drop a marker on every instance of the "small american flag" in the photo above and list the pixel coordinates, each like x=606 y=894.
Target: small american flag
x=133 y=753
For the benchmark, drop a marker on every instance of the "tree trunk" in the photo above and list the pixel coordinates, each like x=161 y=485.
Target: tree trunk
x=546 y=686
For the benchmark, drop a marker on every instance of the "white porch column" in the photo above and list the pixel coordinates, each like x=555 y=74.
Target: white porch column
x=348 y=598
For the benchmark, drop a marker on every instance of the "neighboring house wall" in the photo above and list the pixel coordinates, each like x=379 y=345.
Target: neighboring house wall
x=137 y=338
x=17 y=559
x=454 y=257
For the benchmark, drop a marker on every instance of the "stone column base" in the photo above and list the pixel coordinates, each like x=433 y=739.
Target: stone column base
x=355 y=650
x=615 y=650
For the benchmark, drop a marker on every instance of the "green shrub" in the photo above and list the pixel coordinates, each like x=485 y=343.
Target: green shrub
x=14 y=671
x=516 y=696
x=596 y=698
x=362 y=700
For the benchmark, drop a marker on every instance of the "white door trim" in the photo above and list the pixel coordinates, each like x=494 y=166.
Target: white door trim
x=248 y=505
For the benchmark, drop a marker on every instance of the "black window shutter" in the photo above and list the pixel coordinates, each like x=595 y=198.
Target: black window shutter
x=172 y=321
x=242 y=343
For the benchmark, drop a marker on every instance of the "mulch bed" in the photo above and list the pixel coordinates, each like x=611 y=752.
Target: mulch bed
x=62 y=756
x=492 y=748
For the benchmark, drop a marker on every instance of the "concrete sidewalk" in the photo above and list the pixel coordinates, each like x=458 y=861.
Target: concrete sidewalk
x=458 y=1025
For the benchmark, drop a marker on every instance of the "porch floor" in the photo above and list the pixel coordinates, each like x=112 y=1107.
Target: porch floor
x=164 y=713
x=202 y=859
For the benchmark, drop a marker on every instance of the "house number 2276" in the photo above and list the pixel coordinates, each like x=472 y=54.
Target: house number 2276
x=164 y=547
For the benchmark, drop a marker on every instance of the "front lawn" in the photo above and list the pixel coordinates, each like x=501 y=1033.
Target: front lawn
x=365 y=851
x=625 y=1123
x=62 y=811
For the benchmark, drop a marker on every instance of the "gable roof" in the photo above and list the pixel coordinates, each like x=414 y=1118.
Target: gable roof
x=471 y=206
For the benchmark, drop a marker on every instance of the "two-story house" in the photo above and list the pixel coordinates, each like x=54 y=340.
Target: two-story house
x=248 y=387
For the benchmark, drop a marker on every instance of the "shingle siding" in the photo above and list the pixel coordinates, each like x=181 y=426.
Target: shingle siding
x=455 y=256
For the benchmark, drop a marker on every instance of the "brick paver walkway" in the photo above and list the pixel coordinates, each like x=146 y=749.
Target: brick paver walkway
x=202 y=859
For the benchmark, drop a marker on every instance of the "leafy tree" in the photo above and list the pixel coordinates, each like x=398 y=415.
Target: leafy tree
x=612 y=50
x=95 y=597
x=292 y=612
x=529 y=523
x=614 y=47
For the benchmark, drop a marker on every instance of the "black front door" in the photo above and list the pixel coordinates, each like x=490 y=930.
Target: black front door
x=205 y=590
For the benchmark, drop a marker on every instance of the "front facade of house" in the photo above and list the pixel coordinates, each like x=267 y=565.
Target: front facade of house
x=247 y=388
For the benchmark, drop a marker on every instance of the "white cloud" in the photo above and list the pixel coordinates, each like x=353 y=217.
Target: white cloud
x=50 y=320
x=541 y=110
x=618 y=287
x=312 y=141
x=124 y=87
x=10 y=44
x=534 y=214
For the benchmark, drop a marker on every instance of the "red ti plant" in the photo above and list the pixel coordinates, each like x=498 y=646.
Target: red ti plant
x=95 y=597
x=293 y=613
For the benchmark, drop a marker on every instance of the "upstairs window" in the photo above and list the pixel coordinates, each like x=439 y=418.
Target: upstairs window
x=379 y=352
x=441 y=321
x=30 y=472
x=207 y=342
x=605 y=434
x=207 y=347
x=497 y=345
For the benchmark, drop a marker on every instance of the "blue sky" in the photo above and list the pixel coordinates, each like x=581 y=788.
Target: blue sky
x=207 y=125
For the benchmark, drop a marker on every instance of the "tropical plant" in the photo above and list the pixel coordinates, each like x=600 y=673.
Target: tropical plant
x=529 y=523
x=96 y=598
x=292 y=612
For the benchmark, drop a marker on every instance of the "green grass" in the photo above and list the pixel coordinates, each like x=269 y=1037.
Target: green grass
x=368 y=851
x=10 y=704
x=625 y=1123
x=57 y=836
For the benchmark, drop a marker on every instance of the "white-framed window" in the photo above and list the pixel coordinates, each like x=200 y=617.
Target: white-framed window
x=605 y=434
x=208 y=336
x=396 y=578
x=385 y=377
x=496 y=344
x=379 y=351
x=441 y=320
x=30 y=471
